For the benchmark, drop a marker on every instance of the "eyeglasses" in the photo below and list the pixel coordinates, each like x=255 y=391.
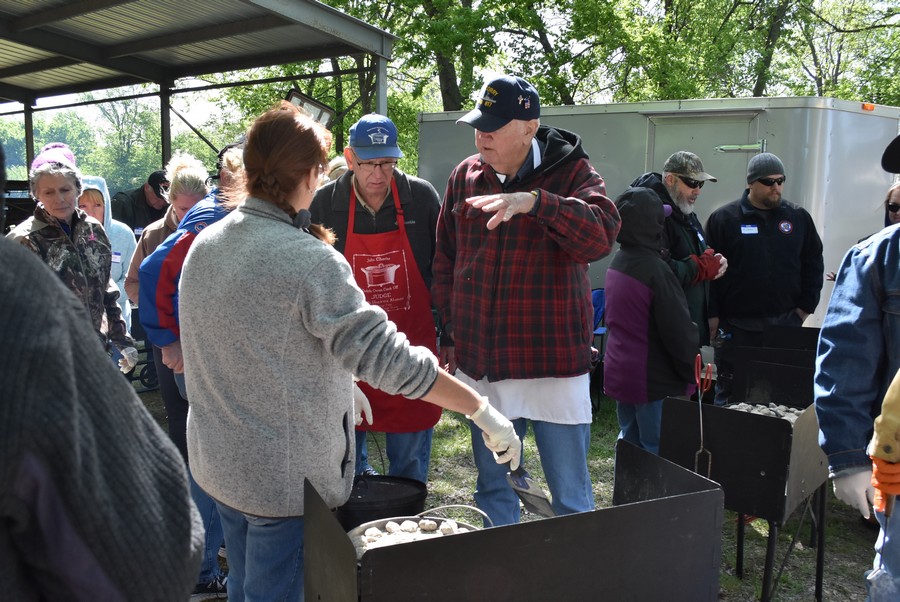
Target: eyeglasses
x=693 y=184
x=893 y=207
x=371 y=166
x=771 y=181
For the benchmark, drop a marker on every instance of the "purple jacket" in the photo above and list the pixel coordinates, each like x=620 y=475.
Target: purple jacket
x=652 y=341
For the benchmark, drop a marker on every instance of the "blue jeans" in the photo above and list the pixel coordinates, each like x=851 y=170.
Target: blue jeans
x=563 y=451
x=179 y=382
x=176 y=404
x=886 y=587
x=409 y=454
x=265 y=557
x=212 y=524
x=640 y=423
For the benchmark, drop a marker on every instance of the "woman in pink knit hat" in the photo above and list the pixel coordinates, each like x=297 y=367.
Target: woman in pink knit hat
x=73 y=245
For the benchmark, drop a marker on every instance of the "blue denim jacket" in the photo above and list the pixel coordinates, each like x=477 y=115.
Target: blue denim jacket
x=859 y=349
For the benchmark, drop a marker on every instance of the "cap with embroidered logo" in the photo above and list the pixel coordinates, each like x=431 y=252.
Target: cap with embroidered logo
x=374 y=136
x=501 y=100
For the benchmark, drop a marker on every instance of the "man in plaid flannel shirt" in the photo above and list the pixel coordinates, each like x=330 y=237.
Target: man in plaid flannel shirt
x=520 y=222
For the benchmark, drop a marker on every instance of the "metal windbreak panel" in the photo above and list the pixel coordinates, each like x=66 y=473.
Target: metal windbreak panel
x=678 y=512
x=750 y=453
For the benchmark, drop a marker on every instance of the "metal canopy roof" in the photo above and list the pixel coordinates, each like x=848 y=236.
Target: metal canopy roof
x=52 y=47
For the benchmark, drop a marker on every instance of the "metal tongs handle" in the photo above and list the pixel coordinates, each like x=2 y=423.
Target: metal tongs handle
x=704 y=382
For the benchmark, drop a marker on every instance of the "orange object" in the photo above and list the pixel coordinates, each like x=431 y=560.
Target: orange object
x=868 y=106
x=704 y=381
x=886 y=481
x=884 y=502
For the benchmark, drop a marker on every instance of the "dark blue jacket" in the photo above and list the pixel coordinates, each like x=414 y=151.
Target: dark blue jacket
x=774 y=260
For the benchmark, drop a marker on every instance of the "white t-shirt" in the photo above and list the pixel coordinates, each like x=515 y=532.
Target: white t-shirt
x=558 y=400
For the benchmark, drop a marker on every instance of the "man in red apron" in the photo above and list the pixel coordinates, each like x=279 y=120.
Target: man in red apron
x=385 y=224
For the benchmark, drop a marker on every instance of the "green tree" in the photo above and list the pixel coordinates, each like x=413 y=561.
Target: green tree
x=582 y=51
x=12 y=137
x=130 y=131
x=218 y=132
x=847 y=49
x=71 y=128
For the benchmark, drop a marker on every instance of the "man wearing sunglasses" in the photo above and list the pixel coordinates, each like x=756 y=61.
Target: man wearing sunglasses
x=775 y=266
x=385 y=223
x=686 y=250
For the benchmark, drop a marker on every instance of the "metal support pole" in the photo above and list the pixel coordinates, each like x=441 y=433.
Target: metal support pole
x=29 y=135
x=820 y=503
x=381 y=85
x=772 y=542
x=165 y=120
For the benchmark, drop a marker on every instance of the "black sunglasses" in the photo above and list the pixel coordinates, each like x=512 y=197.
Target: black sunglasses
x=692 y=183
x=771 y=181
x=893 y=207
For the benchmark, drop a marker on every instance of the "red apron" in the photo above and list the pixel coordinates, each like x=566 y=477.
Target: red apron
x=386 y=270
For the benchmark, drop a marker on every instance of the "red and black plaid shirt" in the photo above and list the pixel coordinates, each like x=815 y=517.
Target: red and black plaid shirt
x=517 y=299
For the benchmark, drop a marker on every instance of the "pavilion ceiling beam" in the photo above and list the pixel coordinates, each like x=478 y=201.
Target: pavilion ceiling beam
x=195 y=36
x=81 y=51
x=61 y=12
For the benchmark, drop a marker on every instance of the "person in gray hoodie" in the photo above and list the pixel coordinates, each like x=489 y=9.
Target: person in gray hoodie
x=94 y=201
x=273 y=328
x=652 y=341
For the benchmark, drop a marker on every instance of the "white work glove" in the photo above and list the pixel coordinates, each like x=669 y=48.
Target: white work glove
x=723 y=265
x=499 y=434
x=361 y=406
x=128 y=360
x=856 y=490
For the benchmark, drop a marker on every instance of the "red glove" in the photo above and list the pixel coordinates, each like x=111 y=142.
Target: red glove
x=707 y=265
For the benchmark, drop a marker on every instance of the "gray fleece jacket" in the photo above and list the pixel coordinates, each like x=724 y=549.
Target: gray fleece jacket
x=272 y=328
x=94 y=497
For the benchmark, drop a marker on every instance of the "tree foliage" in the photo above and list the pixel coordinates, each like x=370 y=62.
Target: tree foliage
x=574 y=51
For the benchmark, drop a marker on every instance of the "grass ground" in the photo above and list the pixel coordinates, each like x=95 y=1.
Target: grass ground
x=848 y=540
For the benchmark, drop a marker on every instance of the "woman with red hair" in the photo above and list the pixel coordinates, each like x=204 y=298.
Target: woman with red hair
x=273 y=328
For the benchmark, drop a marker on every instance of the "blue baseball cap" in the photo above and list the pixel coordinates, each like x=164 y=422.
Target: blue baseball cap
x=374 y=136
x=501 y=100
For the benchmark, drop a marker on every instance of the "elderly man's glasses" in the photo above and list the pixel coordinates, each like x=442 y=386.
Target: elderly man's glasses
x=772 y=181
x=693 y=184
x=371 y=166
x=893 y=207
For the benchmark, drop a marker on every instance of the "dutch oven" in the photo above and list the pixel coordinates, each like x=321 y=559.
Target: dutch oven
x=357 y=533
x=375 y=497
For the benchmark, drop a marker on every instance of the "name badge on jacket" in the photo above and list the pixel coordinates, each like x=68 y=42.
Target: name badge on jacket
x=116 y=257
x=749 y=229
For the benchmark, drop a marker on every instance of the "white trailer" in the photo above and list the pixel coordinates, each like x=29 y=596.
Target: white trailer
x=831 y=150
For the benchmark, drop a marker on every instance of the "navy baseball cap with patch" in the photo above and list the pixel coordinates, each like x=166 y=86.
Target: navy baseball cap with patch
x=374 y=136
x=501 y=100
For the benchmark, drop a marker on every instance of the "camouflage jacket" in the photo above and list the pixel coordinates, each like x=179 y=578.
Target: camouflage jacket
x=83 y=262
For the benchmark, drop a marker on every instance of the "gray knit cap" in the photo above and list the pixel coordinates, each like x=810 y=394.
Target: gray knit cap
x=762 y=165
